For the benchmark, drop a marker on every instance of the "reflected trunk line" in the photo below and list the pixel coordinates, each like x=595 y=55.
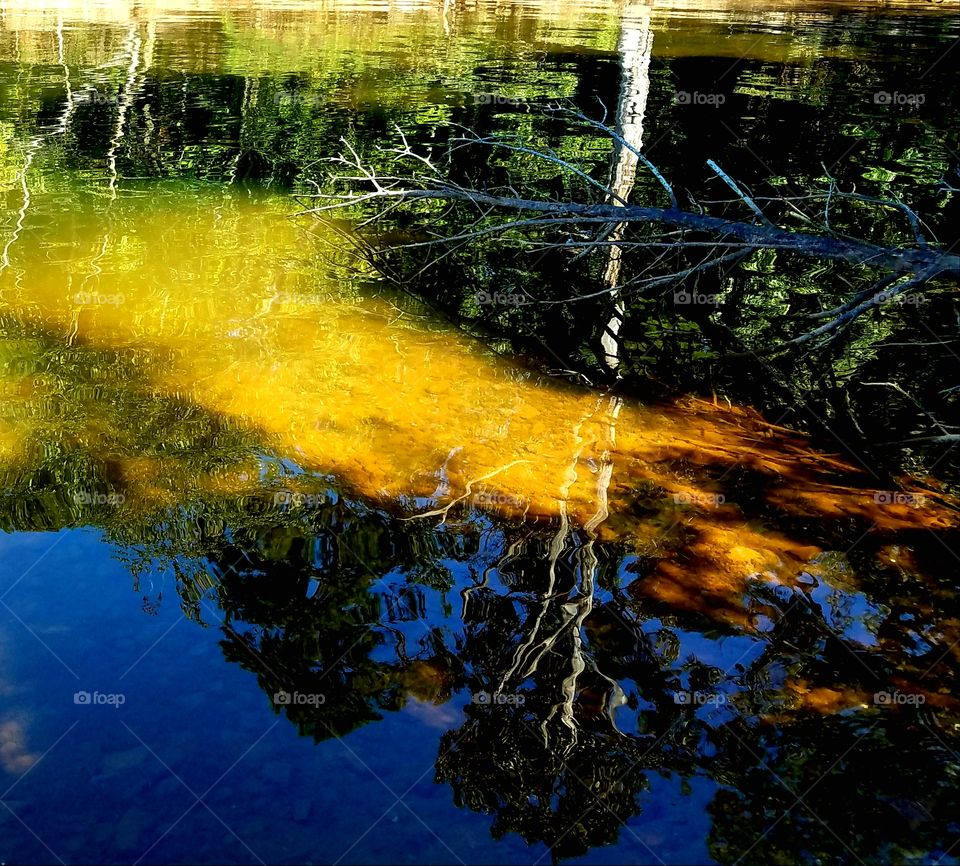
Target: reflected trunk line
x=132 y=53
x=524 y=647
x=123 y=105
x=443 y=476
x=616 y=696
x=574 y=612
x=605 y=473
x=580 y=609
x=589 y=566
x=68 y=109
x=636 y=49
x=444 y=15
x=556 y=548
x=148 y=50
x=484 y=582
x=245 y=103
x=32 y=147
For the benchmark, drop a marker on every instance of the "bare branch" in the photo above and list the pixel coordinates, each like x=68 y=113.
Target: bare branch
x=873 y=301
x=902 y=268
x=624 y=143
x=909 y=260
x=749 y=202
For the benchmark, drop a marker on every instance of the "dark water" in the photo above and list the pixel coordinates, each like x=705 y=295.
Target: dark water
x=292 y=571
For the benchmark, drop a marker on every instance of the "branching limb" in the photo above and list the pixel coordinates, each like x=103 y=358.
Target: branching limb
x=749 y=202
x=729 y=241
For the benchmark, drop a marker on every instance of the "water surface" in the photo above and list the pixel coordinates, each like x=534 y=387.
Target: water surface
x=295 y=571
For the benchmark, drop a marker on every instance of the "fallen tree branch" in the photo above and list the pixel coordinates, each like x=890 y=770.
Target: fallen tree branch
x=901 y=260
x=903 y=268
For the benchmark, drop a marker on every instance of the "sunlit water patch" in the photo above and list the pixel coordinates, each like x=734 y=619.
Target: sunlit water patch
x=295 y=571
x=390 y=516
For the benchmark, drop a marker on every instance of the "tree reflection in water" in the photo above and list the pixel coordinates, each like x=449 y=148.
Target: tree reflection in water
x=359 y=606
x=635 y=633
x=735 y=648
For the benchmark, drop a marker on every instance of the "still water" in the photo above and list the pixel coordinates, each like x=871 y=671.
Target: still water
x=294 y=571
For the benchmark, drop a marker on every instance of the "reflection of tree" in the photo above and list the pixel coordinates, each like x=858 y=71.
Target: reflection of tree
x=328 y=600
x=554 y=769
x=573 y=791
x=498 y=764
x=308 y=615
x=575 y=794
x=340 y=596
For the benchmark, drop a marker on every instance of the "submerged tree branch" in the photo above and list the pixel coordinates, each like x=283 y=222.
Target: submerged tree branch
x=902 y=268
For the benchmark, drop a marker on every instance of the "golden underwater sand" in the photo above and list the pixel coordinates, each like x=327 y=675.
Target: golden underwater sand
x=221 y=302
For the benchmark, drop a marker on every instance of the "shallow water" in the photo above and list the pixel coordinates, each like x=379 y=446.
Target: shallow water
x=293 y=571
